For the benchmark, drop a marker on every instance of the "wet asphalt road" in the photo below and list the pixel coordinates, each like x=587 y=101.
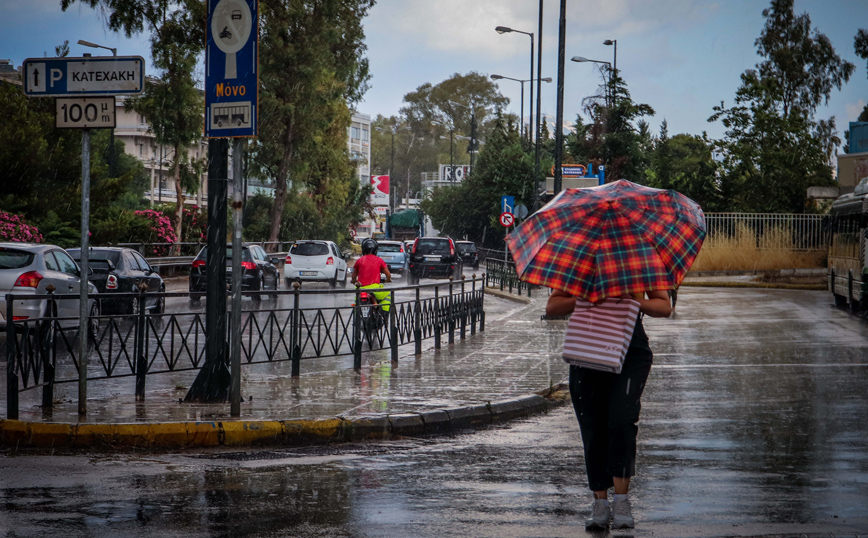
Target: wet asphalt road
x=754 y=423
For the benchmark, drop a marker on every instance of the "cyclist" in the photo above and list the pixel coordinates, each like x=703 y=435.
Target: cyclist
x=367 y=269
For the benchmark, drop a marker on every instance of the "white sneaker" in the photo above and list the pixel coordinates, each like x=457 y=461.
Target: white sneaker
x=600 y=514
x=623 y=515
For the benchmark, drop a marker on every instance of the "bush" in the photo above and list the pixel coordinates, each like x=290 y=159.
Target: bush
x=15 y=228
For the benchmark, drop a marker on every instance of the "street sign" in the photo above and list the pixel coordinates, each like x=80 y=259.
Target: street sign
x=101 y=75
x=458 y=172
x=572 y=170
x=521 y=211
x=231 y=69
x=507 y=204
x=507 y=219
x=85 y=113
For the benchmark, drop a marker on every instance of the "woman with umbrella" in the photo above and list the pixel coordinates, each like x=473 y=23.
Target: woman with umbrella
x=616 y=240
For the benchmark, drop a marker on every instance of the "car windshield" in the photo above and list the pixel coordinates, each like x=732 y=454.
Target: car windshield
x=245 y=254
x=110 y=255
x=309 y=249
x=15 y=259
x=433 y=246
x=465 y=248
x=384 y=247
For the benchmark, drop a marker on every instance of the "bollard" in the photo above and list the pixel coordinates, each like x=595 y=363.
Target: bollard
x=393 y=329
x=295 y=332
x=438 y=317
x=417 y=331
x=482 y=311
x=357 y=331
x=141 y=337
x=46 y=348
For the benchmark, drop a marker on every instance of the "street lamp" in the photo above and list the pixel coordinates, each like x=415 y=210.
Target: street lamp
x=582 y=59
x=506 y=30
x=521 y=123
x=615 y=43
x=451 y=142
x=112 y=138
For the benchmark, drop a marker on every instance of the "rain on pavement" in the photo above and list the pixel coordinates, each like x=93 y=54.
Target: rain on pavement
x=754 y=422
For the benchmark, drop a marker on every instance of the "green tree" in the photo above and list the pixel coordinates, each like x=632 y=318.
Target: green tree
x=685 y=163
x=312 y=70
x=172 y=105
x=774 y=149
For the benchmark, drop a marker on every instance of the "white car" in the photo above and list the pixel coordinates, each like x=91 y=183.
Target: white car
x=318 y=261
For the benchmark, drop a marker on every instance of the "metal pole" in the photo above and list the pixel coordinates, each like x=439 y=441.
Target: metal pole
x=83 y=280
x=538 y=105
x=11 y=373
x=559 y=121
x=521 y=121
x=530 y=102
x=451 y=154
x=235 y=320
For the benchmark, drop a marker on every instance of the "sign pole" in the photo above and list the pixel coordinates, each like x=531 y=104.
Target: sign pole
x=235 y=320
x=83 y=279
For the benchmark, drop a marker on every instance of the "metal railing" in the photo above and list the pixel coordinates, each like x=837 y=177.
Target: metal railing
x=43 y=352
x=769 y=230
x=499 y=273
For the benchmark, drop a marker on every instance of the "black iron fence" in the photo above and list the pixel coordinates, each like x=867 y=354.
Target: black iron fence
x=44 y=352
x=499 y=273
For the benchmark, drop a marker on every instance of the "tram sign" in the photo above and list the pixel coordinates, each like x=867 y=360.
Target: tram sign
x=101 y=75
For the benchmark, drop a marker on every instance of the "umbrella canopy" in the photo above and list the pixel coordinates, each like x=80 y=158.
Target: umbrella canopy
x=609 y=240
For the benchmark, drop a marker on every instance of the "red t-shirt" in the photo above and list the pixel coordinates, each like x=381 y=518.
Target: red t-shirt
x=368 y=269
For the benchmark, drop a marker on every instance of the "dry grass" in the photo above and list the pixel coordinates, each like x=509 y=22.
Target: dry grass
x=740 y=253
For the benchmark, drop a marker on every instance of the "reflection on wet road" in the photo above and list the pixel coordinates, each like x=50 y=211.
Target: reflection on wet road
x=755 y=422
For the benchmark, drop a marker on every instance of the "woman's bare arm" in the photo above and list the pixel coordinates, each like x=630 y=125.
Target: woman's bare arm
x=560 y=304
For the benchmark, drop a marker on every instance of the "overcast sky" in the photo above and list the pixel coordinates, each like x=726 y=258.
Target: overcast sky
x=682 y=57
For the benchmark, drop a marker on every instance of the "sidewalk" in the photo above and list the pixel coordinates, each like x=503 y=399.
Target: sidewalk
x=491 y=376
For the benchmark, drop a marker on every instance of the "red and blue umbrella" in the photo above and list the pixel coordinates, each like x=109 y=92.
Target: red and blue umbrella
x=610 y=240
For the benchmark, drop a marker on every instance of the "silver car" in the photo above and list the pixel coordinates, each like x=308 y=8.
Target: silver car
x=394 y=254
x=28 y=269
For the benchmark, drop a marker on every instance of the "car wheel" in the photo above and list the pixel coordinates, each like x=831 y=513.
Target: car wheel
x=93 y=323
x=344 y=281
x=257 y=298
x=160 y=307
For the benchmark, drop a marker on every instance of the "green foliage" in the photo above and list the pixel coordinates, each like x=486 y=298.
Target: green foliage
x=471 y=208
x=311 y=68
x=774 y=149
x=684 y=163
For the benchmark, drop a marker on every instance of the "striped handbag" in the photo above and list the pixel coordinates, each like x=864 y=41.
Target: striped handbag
x=598 y=335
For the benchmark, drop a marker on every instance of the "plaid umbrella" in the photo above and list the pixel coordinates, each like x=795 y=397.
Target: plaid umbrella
x=609 y=240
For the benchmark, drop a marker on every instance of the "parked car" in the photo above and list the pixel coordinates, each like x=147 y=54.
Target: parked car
x=468 y=253
x=434 y=257
x=317 y=261
x=394 y=254
x=28 y=269
x=122 y=270
x=260 y=272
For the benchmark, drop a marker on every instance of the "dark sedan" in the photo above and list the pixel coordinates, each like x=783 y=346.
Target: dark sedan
x=259 y=272
x=122 y=270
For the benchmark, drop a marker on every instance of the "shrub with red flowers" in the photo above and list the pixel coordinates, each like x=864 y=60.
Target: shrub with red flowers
x=14 y=228
x=162 y=231
x=194 y=225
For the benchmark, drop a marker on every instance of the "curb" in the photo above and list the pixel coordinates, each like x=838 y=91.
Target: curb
x=18 y=434
x=505 y=295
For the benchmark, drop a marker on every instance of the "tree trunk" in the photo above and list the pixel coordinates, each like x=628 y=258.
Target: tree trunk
x=280 y=194
x=179 y=211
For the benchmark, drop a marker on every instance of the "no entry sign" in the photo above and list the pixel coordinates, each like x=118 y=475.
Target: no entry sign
x=507 y=219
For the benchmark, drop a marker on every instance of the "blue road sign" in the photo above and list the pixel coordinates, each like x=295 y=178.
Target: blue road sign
x=231 y=69
x=507 y=204
x=88 y=76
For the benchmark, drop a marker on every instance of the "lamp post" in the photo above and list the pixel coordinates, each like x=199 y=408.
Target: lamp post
x=539 y=119
x=582 y=59
x=506 y=30
x=546 y=79
x=473 y=142
x=112 y=138
x=615 y=43
x=451 y=142
x=391 y=161
x=559 y=116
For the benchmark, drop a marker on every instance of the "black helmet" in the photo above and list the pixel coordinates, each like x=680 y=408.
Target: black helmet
x=369 y=246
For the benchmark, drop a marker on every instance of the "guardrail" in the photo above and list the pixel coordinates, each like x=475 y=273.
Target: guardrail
x=43 y=352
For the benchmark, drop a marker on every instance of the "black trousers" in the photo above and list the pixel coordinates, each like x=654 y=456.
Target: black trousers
x=607 y=406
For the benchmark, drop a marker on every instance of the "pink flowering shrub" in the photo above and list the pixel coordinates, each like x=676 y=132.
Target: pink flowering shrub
x=14 y=228
x=193 y=225
x=162 y=231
